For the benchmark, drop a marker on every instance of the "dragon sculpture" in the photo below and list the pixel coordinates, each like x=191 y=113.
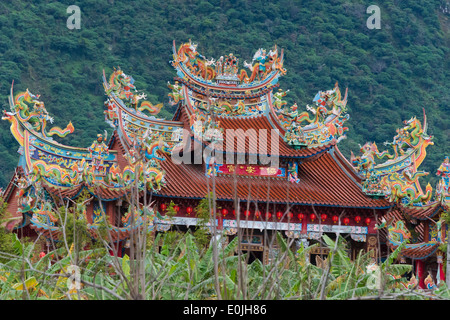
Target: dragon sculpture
x=29 y=110
x=398 y=234
x=122 y=85
x=397 y=178
x=365 y=163
x=263 y=63
x=326 y=123
x=403 y=187
x=198 y=65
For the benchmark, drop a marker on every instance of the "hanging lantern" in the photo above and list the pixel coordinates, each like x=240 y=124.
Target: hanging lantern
x=163 y=206
x=189 y=210
x=268 y=215
x=346 y=221
x=335 y=219
x=176 y=208
x=357 y=219
x=224 y=212
x=300 y=216
x=279 y=215
x=247 y=213
x=312 y=216
x=368 y=221
x=234 y=212
x=323 y=216
x=257 y=214
x=290 y=215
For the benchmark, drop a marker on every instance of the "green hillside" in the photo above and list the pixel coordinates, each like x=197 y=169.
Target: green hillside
x=392 y=73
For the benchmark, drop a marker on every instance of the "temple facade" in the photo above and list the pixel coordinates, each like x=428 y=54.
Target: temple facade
x=271 y=168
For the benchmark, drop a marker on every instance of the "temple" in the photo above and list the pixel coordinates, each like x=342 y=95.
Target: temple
x=271 y=167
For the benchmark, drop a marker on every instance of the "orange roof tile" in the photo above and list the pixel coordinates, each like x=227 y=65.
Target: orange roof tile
x=261 y=126
x=322 y=182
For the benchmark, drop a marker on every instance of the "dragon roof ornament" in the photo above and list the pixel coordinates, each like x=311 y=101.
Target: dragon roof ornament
x=122 y=86
x=326 y=124
x=266 y=66
x=28 y=111
x=132 y=116
x=397 y=177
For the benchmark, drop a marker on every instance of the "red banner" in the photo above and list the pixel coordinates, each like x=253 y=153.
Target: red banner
x=251 y=170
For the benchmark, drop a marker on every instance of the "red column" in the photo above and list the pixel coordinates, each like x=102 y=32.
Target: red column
x=118 y=247
x=420 y=273
x=110 y=212
x=220 y=222
x=90 y=212
x=441 y=273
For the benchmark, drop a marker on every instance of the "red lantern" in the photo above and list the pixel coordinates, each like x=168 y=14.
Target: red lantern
x=163 y=206
x=290 y=215
x=335 y=219
x=234 y=212
x=368 y=221
x=323 y=216
x=268 y=215
x=247 y=213
x=189 y=210
x=224 y=212
x=346 y=221
x=279 y=215
x=257 y=214
x=176 y=208
x=301 y=216
x=357 y=219
x=312 y=216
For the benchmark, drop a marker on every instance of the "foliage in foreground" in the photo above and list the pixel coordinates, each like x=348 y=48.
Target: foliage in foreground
x=179 y=270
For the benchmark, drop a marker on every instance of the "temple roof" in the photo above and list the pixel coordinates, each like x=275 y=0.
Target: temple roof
x=322 y=182
x=424 y=212
x=421 y=249
x=253 y=130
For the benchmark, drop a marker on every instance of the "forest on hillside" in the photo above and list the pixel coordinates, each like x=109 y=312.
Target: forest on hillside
x=392 y=73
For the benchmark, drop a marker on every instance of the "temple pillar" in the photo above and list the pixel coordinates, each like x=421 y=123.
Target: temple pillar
x=420 y=273
x=110 y=210
x=90 y=212
x=440 y=277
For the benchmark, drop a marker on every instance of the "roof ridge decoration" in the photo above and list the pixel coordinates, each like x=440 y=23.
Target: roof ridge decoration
x=131 y=116
x=225 y=71
x=325 y=125
x=28 y=110
x=122 y=85
x=96 y=173
x=397 y=178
